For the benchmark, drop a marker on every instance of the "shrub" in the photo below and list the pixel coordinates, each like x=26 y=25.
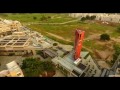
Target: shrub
x=49 y=16
x=118 y=29
x=93 y=17
x=11 y=54
x=83 y=19
x=34 y=18
x=55 y=44
x=104 y=37
x=43 y=18
x=88 y=17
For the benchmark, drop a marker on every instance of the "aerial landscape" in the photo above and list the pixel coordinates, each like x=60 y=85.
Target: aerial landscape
x=59 y=45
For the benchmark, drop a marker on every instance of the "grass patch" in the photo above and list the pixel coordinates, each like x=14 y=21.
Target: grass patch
x=29 y=17
x=93 y=45
x=59 y=40
x=115 y=34
x=67 y=31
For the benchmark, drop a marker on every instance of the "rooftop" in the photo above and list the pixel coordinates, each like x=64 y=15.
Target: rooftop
x=14 y=41
x=14 y=69
x=81 y=66
x=68 y=63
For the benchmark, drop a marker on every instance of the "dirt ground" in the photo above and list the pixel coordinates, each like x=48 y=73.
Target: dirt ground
x=105 y=55
x=93 y=37
x=103 y=64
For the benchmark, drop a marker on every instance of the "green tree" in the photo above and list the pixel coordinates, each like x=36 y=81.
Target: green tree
x=88 y=17
x=93 y=17
x=33 y=68
x=48 y=66
x=83 y=19
x=104 y=37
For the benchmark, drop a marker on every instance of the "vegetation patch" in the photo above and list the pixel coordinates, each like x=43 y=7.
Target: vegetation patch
x=104 y=37
x=37 y=17
x=34 y=68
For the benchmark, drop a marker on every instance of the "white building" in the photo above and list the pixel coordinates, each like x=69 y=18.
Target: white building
x=87 y=67
x=99 y=16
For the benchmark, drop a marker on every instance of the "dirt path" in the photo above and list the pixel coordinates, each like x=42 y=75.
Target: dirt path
x=116 y=39
x=59 y=37
x=92 y=37
x=87 y=49
x=52 y=23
